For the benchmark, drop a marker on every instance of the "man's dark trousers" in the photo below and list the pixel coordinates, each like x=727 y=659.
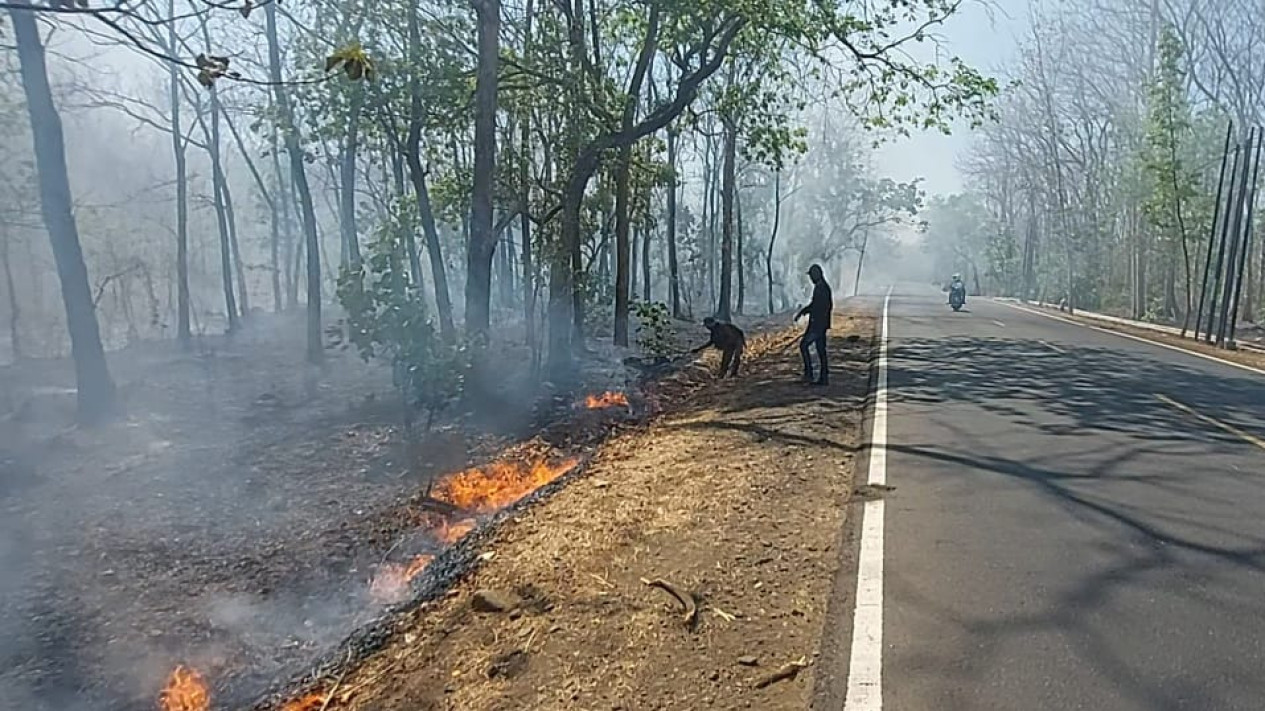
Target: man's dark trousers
x=814 y=336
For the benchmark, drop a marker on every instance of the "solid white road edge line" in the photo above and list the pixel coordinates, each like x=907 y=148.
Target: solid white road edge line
x=1140 y=339
x=865 y=668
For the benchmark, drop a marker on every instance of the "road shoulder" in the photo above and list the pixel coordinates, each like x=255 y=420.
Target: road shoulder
x=1242 y=359
x=735 y=501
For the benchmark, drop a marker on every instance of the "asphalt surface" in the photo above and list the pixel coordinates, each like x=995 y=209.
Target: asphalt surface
x=1060 y=536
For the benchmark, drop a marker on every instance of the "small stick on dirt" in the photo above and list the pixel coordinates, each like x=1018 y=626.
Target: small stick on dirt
x=686 y=599
x=337 y=682
x=723 y=615
x=788 y=671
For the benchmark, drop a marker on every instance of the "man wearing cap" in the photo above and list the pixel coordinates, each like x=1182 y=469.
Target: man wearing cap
x=818 y=313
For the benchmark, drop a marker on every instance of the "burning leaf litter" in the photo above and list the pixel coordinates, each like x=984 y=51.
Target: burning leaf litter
x=186 y=690
x=607 y=399
x=477 y=490
x=488 y=489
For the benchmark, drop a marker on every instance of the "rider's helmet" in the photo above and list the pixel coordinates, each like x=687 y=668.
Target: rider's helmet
x=957 y=277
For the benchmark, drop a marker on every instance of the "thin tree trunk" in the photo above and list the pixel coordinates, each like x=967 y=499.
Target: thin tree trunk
x=777 y=218
x=315 y=350
x=674 y=273
x=634 y=262
x=285 y=206
x=646 y=232
x=239 y=262
x=183 y=332
x=623 y=250
x=96 y=393
x=347 y=178
x=15 y=309
x=739 y=262
x=482 y=244
x=221 y=215
x=856 y=281
x=273 y=220
x=728 y=187
x=524 y=177
x=412 y=153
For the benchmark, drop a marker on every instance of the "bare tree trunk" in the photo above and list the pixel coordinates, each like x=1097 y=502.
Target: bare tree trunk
x=15 y=309
x=271 y=201
x=221 y=215
x=674 y=272
x=183 y=332
x=740 y=263
x=856 y=281
x=634 y=262
x=412 y=152
x=315 y=351
x=777 y=218
x=287 y=247
x=646 y=232
x=239 y=263
x=524 y=177
x=482 y=244
x=728 y=188
x=96 y=393
x=347 y=178
x=623 y=250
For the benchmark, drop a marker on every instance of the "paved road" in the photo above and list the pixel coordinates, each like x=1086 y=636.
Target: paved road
x=1060 y=536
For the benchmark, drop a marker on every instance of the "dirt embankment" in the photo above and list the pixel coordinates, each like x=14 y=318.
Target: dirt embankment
x=735 y=501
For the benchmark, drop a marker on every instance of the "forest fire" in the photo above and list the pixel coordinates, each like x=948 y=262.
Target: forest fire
x=391 y=583
x=186 y=690
x=607 y=399
x=493 y=487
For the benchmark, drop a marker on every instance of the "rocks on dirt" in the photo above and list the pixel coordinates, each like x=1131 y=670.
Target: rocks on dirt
x=494 y=601
x=748 y=661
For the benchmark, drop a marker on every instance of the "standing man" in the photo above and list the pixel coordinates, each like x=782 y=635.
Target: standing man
x=818 y=313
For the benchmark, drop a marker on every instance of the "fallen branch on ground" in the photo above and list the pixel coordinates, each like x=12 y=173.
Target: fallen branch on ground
x=788 y=671
x=686 y=599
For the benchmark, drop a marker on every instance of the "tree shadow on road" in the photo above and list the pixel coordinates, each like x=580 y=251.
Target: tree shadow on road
x=1168 y=499
x=1088 y=390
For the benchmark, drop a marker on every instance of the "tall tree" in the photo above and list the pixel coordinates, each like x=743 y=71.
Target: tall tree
x=96 y=393
x=183 y=332
x=482 y=244
x=298 y=180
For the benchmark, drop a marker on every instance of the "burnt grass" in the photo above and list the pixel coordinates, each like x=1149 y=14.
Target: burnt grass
x=232 y=518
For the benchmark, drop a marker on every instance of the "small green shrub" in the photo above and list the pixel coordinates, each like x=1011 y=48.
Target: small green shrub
x=654 y=327
x=387 y=319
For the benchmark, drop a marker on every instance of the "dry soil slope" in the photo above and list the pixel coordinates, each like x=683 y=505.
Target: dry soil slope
x=738 y=497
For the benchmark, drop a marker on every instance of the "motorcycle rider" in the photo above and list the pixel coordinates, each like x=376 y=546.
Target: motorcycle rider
x=954 y=284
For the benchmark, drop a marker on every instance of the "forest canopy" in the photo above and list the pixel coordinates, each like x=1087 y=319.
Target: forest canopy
x=409 y=169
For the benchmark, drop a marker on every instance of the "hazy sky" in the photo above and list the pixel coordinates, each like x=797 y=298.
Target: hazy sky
x=984 y=37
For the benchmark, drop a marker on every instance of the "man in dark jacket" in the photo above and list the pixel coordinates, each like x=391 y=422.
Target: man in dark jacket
x=818 y=313
x=729 y=340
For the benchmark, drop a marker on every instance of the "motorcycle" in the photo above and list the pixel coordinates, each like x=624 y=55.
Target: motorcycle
x=957 y=297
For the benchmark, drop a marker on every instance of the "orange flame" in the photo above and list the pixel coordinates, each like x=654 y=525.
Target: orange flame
x=311 y=702
x=391 y=582
x=606 y=399
x=186 y=690
x=448 y=532
x=497 y=485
